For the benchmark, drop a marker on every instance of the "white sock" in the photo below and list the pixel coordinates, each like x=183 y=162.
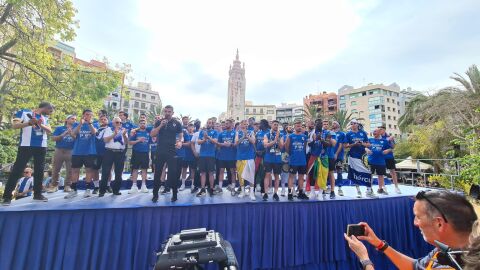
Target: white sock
x=96 y=183
x=220 y=183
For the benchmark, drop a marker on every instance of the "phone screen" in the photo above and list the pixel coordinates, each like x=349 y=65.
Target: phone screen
x=355 y=229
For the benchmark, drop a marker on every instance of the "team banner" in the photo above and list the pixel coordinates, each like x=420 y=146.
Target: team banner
x=358 y=172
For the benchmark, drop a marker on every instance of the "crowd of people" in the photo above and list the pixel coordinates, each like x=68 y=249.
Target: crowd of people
x=305 y=160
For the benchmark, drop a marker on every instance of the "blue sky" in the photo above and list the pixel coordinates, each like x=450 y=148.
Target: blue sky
x=291 y=48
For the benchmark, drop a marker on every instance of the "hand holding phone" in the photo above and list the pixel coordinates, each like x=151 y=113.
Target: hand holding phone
x=355 y=229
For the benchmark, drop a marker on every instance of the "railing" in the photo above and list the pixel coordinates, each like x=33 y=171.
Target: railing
x=420 y=176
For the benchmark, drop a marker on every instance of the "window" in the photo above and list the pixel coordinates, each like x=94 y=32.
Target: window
x=144 y=106
x=388 y=100
x=254 y=110
x=115 y=94
x=394 y=118
x=342 y=97
x=364 y=94
x=144 y=96
x=137 y=95
x=127 y=93
x=389 y=118
x=126 y=103
x=152 y=107
x=270 y=112
x=389 y=125
x=393 y=109
x=398 y=103
x=398 y=111
x=342 y=106
x=393 y=100
x=137 y=104
x=246 y=110
x=370 y=92
x=114 y=104
x=354 y=111
x=353 y=103
x=153 y=97
x=395 y=126
x=388 y=108
x=261 y=110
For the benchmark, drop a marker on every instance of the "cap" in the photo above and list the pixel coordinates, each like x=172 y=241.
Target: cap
x=353 y=121
x=69 y=116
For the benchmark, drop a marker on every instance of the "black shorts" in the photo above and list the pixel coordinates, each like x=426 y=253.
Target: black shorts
x=298 y=169
x=390 y=164
x=87 y=161
x=275 y=167
x=378 y=169
x=206 y=164
x=139 y=160
x=188 y=163
x=98 y=162
x=331 y=164
x=227 y=164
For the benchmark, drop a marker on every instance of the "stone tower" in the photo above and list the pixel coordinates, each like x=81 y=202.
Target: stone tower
x=236 y=90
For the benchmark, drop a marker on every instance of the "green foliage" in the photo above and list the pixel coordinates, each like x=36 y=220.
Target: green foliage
x=403 y=149
x=8 y=147
x=343 y=117
x=470 y=163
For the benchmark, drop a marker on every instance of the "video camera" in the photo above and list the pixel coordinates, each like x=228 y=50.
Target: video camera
x=190 y=248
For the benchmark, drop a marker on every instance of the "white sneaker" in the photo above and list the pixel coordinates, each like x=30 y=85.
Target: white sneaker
x=134 y=189
x=321 y=195
x=258 y=188
x=71 y=194
x=182 y=187
x=284 y=192
x=397 y=190
x=311 y=195
x=270 y=190
x=340 y=192
x=87 y=193
x=144 y=189
x=242 y=193
x=370 y=194
x=162 y=188
x=252 y=196
x=359 y=194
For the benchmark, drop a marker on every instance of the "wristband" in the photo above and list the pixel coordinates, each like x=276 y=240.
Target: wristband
x=382 y=243
x=384 y=247
x=365 y=263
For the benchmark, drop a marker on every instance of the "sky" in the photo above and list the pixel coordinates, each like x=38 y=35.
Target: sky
x=290 y=48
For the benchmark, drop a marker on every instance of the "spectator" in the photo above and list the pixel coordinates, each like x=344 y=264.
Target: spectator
x=440 y=215
x=472 y=258
x=24 y=186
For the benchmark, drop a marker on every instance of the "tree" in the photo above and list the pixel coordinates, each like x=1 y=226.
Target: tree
x=311 y=112
x=151 y=114
x=343 y=117
x=29 y=72
x=472 y=86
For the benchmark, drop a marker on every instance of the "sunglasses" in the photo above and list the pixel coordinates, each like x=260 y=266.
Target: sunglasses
x=118 y=122
x=423 y=195
x=26 y=172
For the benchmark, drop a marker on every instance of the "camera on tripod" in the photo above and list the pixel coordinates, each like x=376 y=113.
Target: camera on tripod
x=189 y=249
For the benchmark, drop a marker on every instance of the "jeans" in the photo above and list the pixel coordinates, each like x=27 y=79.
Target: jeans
x=24 y=154
x=110 y=158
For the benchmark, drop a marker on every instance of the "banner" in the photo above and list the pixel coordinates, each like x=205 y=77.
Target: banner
x=358 y=172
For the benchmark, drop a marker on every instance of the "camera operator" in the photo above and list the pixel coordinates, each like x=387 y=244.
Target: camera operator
x=440 y=215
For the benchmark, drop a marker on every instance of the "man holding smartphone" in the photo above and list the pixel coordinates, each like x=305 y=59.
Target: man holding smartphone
x=34 y=127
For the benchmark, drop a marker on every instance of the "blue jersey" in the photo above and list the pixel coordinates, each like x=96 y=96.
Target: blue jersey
x=272 y=154
x=297 y=149
x=340 y=139
x=188 y=149
x=356 y=151
x=142 y=147
x=317 y=148
x=84 y=142
x=391 y=144
x=99 y=142
x=180 y=152
x=25 y=184
x=153 y=144
x=227 y=153
x=245 y=149
x=377 y=146
x=259 y=139
x=207 y=149
x=128 y=126
x=32 y=135
x=66 y=142
x=330 y=150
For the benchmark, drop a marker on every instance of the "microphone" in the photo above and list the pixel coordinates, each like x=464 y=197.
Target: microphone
x=449 y=257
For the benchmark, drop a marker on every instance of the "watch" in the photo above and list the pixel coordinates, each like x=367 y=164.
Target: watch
x=365 y=263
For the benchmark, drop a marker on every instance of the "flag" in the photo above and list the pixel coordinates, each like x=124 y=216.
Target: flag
x=358 y=172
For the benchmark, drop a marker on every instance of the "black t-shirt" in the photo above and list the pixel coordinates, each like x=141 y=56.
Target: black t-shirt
x=167 y=136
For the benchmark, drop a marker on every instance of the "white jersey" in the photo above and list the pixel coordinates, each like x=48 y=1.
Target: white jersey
x=194 y=140
x=32 y=135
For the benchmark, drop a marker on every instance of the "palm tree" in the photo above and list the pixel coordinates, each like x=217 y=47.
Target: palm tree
x=343 y=117
x=311 y=111
x=152 y=113
x=472 y=86
x=413 y=111
x=190 y=120
x=111 y=112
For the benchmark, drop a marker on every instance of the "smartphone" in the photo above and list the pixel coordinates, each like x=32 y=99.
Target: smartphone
x=355 y=229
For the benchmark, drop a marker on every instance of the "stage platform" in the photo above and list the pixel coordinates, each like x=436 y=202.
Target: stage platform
x=125 y=232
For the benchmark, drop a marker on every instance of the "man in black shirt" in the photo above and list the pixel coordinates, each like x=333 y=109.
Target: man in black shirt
x=169 y=137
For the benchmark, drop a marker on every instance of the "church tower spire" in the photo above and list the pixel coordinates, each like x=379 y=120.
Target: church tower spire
x=236 y=90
